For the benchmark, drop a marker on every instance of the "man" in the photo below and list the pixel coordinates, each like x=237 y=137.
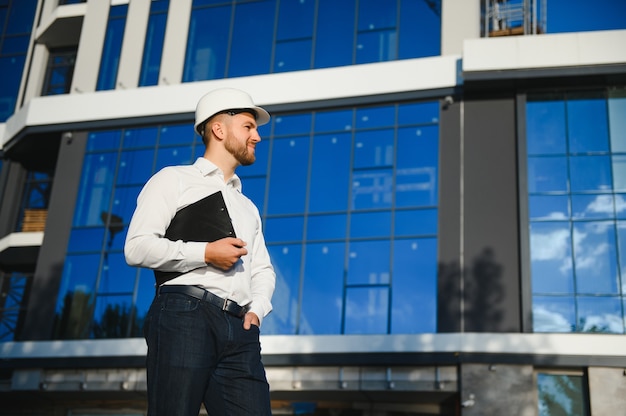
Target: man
x=203 y=238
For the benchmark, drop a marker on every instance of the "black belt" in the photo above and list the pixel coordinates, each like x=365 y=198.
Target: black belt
x=226 y=305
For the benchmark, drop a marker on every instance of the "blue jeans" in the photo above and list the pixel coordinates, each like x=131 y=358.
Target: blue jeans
x=200 y=354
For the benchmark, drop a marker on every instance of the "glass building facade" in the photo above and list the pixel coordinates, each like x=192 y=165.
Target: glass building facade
x=446 y=214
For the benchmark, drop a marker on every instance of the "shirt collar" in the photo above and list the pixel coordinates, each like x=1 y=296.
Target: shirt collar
x=208 y=168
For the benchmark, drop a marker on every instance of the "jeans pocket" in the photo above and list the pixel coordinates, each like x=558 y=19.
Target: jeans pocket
x=179 y=303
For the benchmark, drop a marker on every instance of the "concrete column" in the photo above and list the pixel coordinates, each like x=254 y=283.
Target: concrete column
x=175 y=43
x=460 y=19
x=90 y=47
x=132 y=47
x=498 y=389
x=607 y=391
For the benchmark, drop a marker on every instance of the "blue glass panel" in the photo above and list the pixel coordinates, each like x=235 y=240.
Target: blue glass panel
x=326 y=227
x=144 y=137
x=547 y=174
x=333 y=121
x=334 y=41
x=617 y=121
x=323 y=285
x=79 y=275
x=416 y=166
x=286 y=260
x=254 y=188
x=551 y=257
x=15 y=45
x=11 y=69
x=86 y=239
x=554 y=314
x=124 y=202
x=373 y=148
x=370 y=117
x=135 y=166
x=172 y=156
x=418 y=20
x=370 y=224
x=145 y=292
x=21 y=16
x=116 y=277
x=592 y=207
x=176 y=134
x=95 y=189
x=284 y=229
x=372 y=189
x=621 y=253
x=595 y=257
x=368 y=262
x=292 y=124
x=251 y=50
x=293 y=55
x=422 y=222
x=590 y=173
x=561 y=394
x=414 y=292
x=259 y=167
x=105 y=140
x=330 y=172
x=367 y=310
x=418 y=113
x=288 y=172
x=153 y=46
x=375 y=16
x=376 y=47
x=620 y=206
x=619 y=172
x=115 y=233
x=600 y=314
x=112 y=48
x=545 y=127
x=295 y=19
x=206 y=49
x=112 y=316
x=548 y=207
x=587 y=125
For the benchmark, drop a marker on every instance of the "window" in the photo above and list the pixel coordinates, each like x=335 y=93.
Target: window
x=112 y=48
x=305 y=35
x=562 y=394
x=153 y=47
x=349 y=204
x=59 y=71
x=13 y=293
x=576 y=158
x=16 y=23
x=101 y=297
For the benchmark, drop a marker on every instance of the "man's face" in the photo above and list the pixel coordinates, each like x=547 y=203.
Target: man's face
x=242 y=137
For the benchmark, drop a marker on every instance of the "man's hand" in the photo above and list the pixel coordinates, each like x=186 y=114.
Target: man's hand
x=224 y=253
x=250 y=319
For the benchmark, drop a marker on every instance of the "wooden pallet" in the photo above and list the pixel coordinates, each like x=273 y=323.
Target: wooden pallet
x=34 y=220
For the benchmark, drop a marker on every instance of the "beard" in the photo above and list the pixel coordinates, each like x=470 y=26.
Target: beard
x=240 y=151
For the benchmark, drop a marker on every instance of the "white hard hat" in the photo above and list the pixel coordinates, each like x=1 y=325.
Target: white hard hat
x=224 y=99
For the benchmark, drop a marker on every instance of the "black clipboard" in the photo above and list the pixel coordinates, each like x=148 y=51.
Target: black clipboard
x=206 y=220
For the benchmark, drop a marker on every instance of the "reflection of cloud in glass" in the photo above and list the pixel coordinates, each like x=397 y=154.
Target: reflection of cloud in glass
x=548 y=321
x=555 y=216
x=603 y=323
x=602 y=204
x=551 y=246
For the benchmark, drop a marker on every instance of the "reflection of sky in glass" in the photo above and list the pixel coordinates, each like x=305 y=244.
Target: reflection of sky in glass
x=576 y=240
x=561 y=394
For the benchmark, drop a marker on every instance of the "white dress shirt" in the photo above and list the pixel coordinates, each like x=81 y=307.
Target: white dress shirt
x=250 y=281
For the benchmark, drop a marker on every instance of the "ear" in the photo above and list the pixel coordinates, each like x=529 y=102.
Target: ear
x=218 y=130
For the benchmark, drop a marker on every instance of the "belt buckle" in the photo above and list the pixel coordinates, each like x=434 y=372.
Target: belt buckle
x=225 y=304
